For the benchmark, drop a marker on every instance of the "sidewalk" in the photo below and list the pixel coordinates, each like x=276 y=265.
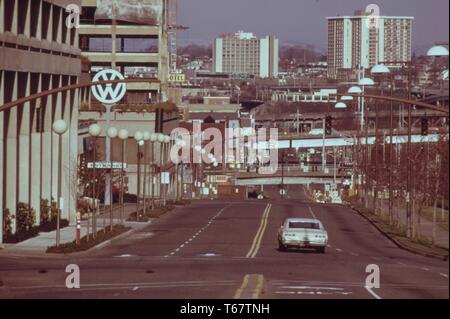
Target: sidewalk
x=426 y=226
x=40 y=243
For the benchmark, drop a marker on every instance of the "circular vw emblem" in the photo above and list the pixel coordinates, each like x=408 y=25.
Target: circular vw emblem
x=109 y=93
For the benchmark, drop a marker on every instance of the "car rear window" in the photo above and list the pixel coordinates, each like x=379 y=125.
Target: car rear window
x=304 y=225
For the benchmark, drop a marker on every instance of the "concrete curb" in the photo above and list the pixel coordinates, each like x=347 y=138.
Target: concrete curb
x=397 y=243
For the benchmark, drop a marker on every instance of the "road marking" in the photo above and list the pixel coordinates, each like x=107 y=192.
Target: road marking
x=257 y=240
x=354 y=254
x=238 y=293
x=251 y=287
x=338 y=249
x=425 y=268
x=259 y=286
x=311 y=212
x=135 y=288
x=198 y=232
x=309 y=287
x=443 y=275
x=372 y=292
x=400 y=263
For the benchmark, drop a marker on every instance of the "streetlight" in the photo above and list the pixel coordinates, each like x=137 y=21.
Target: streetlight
x=112 y=134
x=383 y=70
x=146 y=137
x=160 y=138
x=340 y=105
x=123 y=135
x=166 y=142
x=95 y=131
x=59 y=127
x=438 y=51
x=138 y=136
x=153 y=139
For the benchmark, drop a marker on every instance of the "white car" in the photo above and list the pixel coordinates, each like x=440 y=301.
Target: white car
x=302 y=233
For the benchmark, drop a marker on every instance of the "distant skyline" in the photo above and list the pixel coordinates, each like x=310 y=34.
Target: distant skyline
x=302 y=21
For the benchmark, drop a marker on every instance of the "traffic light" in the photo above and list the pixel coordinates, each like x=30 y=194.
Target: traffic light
x=328 y=125
x=424 y=126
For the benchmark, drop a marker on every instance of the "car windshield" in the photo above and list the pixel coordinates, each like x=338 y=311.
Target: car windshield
x=307 y=225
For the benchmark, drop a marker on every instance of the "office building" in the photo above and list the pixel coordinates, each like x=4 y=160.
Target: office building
x=244 y=53
x=362 y=41
x=37 y=53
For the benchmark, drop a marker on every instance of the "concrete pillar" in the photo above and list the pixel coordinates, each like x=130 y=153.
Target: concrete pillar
x=11 y=159
x=46 y=147
x=24 y=140
x=36 y=153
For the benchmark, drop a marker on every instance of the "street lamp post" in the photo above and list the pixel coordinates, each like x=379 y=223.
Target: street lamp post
x=153 y=139
x=94 y=131
x=123 y=135
x=138 y=136
x=146 y=138
x=112 y=134
x=59 y=127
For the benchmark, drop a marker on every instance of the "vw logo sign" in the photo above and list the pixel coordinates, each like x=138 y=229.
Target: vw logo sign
x=109 y=93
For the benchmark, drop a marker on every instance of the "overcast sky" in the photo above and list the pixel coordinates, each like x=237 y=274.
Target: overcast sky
x=302 y=20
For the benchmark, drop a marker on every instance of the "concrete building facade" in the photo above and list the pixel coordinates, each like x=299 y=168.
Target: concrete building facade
x=359 y=41
x=38 y=52
x=244 y=53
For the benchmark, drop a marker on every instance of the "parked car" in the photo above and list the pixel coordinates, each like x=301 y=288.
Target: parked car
x=302 y=233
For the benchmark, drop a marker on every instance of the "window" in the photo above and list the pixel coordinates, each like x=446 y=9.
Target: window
x=304 y=225
x=8 y=14
x=145 y=45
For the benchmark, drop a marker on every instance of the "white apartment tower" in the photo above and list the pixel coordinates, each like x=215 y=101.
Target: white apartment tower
x=362 y=41
x=244 y=53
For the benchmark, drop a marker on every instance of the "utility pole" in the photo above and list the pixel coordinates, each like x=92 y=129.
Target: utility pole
x=324 y=158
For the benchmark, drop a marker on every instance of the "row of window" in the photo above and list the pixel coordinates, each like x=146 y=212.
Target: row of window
x=28 y=10
x=123 y=44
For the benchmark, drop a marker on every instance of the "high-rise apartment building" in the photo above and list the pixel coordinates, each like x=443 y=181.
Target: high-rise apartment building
x=244 y=53
x=362 y=41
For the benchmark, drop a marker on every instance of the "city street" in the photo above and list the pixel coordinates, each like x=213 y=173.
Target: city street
x=228 y=249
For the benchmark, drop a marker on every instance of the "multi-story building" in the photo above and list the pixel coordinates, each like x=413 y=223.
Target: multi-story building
x=141 y=52
x=38 y=52
x=362 y=41
x=244 y=53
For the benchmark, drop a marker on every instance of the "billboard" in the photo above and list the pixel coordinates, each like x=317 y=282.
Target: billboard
x=147 y=12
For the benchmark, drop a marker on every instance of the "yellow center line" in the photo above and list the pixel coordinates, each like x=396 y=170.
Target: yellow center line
x=259 y=286
x=257 y=240
x=238 y=293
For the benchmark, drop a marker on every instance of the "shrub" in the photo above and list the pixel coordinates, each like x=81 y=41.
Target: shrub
x=45 y=216
x=7 y=221
x=26 y=217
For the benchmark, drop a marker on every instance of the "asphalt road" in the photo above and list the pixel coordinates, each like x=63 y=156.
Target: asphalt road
x=228 y=250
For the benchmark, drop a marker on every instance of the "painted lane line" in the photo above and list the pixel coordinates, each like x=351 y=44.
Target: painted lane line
x=372 y=292
x=425 y=268
x=257 y=240
x=339 y=250
x=238 y=293
x=400 y=263
x=135 y=288
x=257 y=234
x=258 y=288
x=199 y=231
x=354 y=254
x=443 y=275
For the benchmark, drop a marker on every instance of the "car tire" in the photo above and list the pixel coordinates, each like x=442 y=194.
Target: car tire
x=281 y=247
x=321 y=250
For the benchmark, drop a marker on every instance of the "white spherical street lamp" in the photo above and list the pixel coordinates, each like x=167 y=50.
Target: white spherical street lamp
x=380 y=69
x=112 y=132
x=123 y=134
x=167 y=139
x=340 y=105
x=438 y=51
x=146 y=136
x=138 y=136
x=95 y=130
x=355 y=90
x=153 y=137
x=161 y=138
x=60 y=127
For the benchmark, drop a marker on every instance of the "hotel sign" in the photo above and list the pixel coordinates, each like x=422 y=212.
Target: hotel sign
x=177 y=78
